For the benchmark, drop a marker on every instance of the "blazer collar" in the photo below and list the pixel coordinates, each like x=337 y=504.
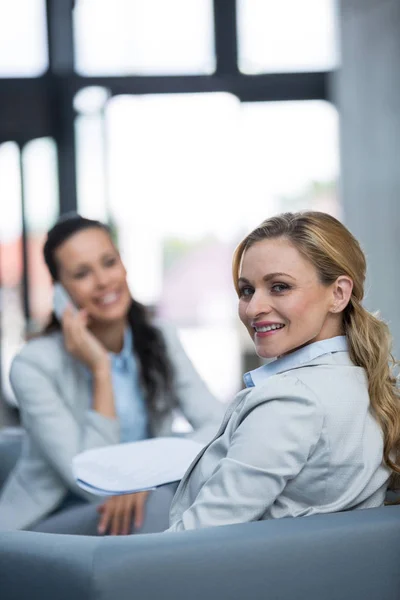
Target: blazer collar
x=296 y=359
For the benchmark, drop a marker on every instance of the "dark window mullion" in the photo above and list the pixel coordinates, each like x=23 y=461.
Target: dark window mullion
x=61 y=89
x=225 y=31
x=25 y=258
x=269 y=87
x=60 y=36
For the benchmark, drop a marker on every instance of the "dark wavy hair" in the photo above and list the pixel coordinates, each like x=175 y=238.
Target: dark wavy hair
x=156 y=369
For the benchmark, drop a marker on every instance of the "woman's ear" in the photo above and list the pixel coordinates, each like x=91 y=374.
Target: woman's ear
x=342 y=290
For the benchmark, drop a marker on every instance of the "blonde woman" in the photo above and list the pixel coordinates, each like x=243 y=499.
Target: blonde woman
x=317 y=430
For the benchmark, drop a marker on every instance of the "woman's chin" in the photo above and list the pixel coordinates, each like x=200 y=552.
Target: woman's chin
x=266 y=353
x=267 y=356
x=108 y=317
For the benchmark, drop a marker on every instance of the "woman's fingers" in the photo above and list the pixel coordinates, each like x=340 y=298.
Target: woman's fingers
x=68 y=313
x=126 y=509
x=80 y=342
x=83 y=317
x=105 y=518
x=117 y=517
x=127 y=518
x=140 y=508
x=120 y=512
x=72 y=324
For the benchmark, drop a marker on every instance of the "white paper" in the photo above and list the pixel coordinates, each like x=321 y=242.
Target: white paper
x=135 y=466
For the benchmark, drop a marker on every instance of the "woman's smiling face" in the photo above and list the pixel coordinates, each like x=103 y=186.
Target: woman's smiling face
x=282 y=302
x=92 y=272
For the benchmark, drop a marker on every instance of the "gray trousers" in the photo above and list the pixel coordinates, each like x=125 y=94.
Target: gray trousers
x=82 y=518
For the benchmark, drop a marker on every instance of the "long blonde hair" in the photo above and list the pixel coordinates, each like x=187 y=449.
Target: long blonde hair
x=334 y=251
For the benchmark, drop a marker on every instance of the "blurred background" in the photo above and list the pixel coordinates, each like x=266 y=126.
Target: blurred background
x=183 y=124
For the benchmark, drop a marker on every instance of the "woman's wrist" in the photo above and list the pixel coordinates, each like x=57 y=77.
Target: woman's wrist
x=102 y=369
x=103 y=398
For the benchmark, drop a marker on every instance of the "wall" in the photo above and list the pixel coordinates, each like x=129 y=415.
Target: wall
x=368 y=94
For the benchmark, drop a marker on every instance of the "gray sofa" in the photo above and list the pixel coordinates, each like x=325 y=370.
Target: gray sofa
x=345 y=556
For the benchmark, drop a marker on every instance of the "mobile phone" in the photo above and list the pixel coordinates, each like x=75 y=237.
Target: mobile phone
x=61 y=299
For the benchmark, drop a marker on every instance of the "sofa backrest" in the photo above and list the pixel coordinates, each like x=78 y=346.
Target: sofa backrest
x=346 y=556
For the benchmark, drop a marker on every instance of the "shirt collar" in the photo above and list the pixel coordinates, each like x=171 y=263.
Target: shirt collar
x=296 y=359
x=121 y=359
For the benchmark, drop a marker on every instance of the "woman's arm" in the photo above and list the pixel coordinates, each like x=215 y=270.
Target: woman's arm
x=50 y=421
x=202 y=410
x=86 y=348
x=270 y=447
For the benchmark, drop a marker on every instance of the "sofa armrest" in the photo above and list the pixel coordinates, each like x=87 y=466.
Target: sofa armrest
x=43 y=566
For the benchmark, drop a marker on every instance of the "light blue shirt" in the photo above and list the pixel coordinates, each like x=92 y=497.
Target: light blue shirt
x=130 y=404
x=296 y=359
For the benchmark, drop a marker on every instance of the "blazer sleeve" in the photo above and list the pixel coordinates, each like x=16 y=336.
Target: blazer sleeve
x=51 y=424
x=198 y=405
x=269 y=447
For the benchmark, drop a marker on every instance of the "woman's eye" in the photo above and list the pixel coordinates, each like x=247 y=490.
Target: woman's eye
x=279 y=287
x=246 y=292
x=80 y=275
x=110 y=262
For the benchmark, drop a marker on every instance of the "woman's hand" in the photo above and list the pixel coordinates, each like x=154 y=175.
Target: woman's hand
x=119 y=513
x=81 y=343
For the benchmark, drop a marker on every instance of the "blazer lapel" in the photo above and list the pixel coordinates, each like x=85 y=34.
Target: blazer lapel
x=75 y=386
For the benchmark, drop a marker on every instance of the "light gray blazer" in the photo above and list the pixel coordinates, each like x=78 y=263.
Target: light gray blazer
x=302 y=442
x=54 y=396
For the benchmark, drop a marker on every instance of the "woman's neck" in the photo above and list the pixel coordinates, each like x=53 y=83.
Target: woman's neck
x=110 y=335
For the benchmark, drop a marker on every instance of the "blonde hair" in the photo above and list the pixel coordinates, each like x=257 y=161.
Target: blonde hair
x=334 y=251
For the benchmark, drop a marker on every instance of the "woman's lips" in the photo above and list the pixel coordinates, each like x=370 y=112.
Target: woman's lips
x=267 y=329
x=108 y=299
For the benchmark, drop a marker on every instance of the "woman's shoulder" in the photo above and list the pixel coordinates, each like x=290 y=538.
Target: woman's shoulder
x=323 y=383
x=167 y=330
x=43 y=350
x=288 y=386
x=162 y=324
x=314 y=377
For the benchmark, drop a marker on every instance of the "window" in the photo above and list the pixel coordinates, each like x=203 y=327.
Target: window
x=12 y=319
x=188 y=176
x=289 y=35
x=292 y=157
x=23 y=38
x=144 y=37
x=39 y=168
x=41 y=201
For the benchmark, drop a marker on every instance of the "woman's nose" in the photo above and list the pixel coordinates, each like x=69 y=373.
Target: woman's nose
x=102 y=278
x=258 y=305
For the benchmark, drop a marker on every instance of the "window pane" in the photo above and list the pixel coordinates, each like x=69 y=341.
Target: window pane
x=289 y=35
x=12 y=319
x=41 y=209
x=41 y=190
x=23 y=38
x=144 y=37
x=92 y=178
x=91 y=150
x=189 y=176
x=293 y=162
x=173 y=161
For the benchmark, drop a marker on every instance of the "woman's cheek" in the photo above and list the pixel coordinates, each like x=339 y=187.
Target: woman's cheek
x=242 y=311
